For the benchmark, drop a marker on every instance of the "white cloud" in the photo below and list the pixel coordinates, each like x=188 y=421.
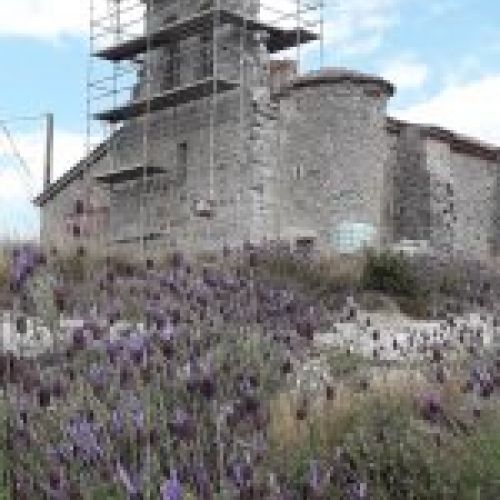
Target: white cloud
x=472 y=108
x=439 y=8
x=406 y=73
x=351 y=26
x=17 y=188
x=43 y=18
x=69 y=147
x=51 y=19
x=357 y=27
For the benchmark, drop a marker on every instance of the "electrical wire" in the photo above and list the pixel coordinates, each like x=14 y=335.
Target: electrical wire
x=22 y=162
x=14 y=119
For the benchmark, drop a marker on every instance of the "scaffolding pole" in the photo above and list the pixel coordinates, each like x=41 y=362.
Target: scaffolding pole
x=136 y=34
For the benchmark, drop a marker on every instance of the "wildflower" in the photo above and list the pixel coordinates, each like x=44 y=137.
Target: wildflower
x=182 y=426
x=172 y=488
x=126 y=377
x=431 y=407
x=55 y=479
x=98 y=377
x=202 y=482
x=208 y=386
x=79 y=339
x=94 y=329
x=126 y=480
x=113 y=348
x=82 y=435
x=137 y=348
x=58 y=388
x=314 y=477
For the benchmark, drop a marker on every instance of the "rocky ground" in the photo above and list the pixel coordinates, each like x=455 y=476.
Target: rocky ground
x=392 y=336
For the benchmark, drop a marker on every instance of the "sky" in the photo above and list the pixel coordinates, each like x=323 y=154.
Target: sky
x=442 y=55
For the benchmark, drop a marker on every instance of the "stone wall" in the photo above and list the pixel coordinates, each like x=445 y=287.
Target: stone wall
x=476 y=199
x=333 y=157
x=78 y=214
x=411 y=188
x=238 y=127
x=444 y=196
x=311 y=158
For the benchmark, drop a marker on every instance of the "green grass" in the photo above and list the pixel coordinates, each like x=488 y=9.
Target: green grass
x=390 y=446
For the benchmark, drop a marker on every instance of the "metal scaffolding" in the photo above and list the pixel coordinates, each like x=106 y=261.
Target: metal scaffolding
x=129 y=82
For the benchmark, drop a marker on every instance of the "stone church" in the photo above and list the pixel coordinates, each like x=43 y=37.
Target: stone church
x=222 y=141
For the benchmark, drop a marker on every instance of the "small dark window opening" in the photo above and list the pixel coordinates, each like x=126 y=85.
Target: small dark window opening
x=182 y=159
x=304 y=245
x=79 y=207
x=76 y=231
x=299 y=172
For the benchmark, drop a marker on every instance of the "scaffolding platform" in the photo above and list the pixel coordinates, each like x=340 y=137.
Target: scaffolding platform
x=278 y=38
x=168 y=99
x=127 y=173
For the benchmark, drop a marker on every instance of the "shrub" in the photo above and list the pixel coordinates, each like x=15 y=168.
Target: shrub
x=393 y=275
x=381 y=440
x=390 y=274
x=323 y=276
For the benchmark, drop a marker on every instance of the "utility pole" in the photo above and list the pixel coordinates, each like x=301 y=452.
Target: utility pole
x=49 y=150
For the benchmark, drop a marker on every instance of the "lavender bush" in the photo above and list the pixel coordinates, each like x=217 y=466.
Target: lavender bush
x=201 y=392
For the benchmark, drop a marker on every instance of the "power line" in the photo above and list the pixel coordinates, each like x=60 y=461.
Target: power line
x=19 y=156
x=14 y=119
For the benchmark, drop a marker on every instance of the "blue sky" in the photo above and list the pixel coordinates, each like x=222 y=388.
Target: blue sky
x=443 y=55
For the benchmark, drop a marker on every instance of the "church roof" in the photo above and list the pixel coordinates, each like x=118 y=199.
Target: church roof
x=73 y=173
x=458 y=142
x=335 y=75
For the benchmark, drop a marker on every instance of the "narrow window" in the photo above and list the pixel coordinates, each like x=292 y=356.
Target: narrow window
x=205 y=68
x=182 y=159
x=79 y=207
x=171 y=62
x=298 y=172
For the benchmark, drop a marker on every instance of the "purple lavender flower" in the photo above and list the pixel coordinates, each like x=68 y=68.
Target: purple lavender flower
x=202 y=481
x=167 y=340
x=127 y=481
x=431 y=407
x=79 y=338
x=172 y=488
x=314 y=476
x=98 y=377
x=117 y=423
x=82 y=434
x=24 y=260
x=182 y=425
x=137 y=348
x=113 y=348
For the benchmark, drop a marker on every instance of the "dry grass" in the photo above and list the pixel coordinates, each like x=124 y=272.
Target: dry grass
x=332 y=419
